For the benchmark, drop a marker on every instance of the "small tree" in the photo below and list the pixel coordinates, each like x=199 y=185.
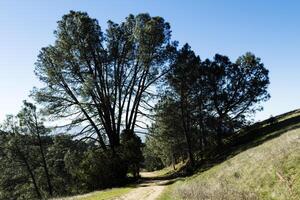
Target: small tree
x=183 y=82
x=166 y=139
x=32 y=125
x=18 y=163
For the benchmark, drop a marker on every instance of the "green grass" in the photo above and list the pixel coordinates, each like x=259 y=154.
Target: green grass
x=266 y=168
x=168 y=171
x=108 y=194
x=101 y=195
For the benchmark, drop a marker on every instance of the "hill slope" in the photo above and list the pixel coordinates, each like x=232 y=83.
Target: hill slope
x=266 y=168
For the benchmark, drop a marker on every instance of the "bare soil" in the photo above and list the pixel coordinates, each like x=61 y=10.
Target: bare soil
x=147 y=190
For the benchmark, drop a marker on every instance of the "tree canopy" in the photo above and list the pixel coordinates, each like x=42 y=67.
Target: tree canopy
x=99 y=80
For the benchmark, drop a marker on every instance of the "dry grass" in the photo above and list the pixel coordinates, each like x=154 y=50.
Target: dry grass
x=268 y=171
x=219 y=190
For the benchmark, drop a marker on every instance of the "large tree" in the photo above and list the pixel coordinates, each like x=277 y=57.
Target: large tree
x=237 y=89
x=97 y=80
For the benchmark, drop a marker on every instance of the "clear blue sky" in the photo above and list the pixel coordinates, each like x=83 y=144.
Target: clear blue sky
x=270 y=29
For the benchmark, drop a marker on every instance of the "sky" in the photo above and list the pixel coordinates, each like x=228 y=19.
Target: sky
x=270 y=29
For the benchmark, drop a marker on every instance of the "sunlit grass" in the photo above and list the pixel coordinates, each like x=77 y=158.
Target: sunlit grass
x=165 y=172
x=268 y=171
x=101 y=195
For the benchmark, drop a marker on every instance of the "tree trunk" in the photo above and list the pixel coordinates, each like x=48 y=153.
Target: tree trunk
x=45 y=166
x=29 y=170
x=190 y=152
x=186 y=130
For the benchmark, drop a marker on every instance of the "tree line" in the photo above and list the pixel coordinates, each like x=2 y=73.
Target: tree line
x=103 y=87
x=203 y=104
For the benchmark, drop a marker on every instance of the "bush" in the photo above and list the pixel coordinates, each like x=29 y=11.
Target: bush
x=131 y=152
x=98 y=169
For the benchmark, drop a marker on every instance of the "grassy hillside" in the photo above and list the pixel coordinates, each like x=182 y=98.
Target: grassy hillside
x=263 y=164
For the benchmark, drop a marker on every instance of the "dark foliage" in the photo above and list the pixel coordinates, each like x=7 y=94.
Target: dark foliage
x=204 y=104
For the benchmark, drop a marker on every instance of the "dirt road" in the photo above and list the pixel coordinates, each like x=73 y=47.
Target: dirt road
x=147 y=190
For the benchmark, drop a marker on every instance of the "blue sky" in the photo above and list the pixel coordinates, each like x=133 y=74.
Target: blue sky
x=270 y=29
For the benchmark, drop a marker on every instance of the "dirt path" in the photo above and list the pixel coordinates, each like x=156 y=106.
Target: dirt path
x=148 y=190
